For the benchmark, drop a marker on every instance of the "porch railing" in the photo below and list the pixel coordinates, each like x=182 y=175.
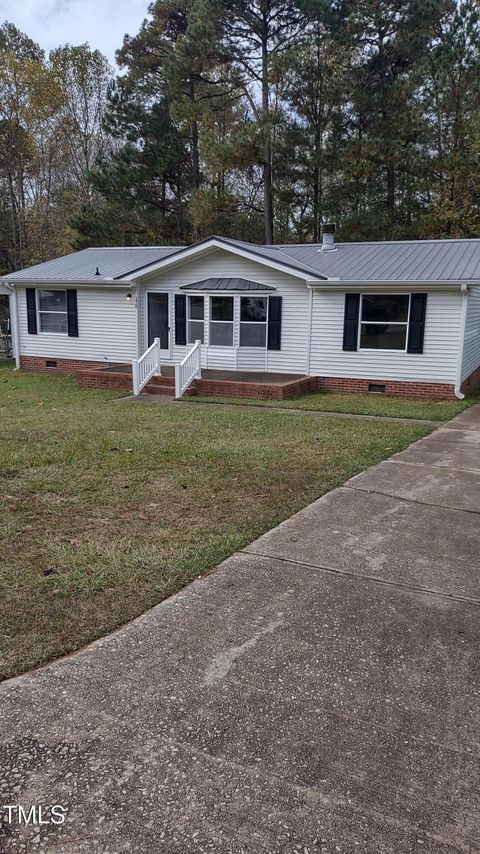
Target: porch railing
x=146 y=367
x=189 y=368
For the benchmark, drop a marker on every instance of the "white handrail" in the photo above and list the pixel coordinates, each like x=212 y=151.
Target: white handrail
x=146 y=367
x=189 y=368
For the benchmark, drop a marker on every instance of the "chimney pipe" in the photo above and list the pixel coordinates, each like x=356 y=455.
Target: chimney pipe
x=328 y=236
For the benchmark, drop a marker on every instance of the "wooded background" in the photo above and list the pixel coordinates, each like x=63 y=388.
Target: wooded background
x=256 y=120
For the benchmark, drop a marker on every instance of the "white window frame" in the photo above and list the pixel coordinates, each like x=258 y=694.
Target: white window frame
x=257 y=322
x=405 y=323
x=42 y=311
x=224 y=322
x=193 y=319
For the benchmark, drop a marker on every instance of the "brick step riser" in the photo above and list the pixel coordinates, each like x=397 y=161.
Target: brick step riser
x=167 y=390
x=161 y=381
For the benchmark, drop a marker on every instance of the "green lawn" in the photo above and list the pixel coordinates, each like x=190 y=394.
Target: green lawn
x=109 y=507
x=360 y=404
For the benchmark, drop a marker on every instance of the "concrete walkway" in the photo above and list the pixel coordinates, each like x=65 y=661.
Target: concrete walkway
x=319 y=692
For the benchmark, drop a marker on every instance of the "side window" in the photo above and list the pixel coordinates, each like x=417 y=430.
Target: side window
x=253 y=321
x=221 y=321
x=52 y=311
x=196 y=316
x=384 y=321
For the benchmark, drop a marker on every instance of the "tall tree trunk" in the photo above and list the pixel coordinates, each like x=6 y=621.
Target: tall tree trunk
x=317 y=189
x=390 y=199
x=389 y=164
x=267 y=151
x=317 y=113
x=194 y=139
x=195 y=156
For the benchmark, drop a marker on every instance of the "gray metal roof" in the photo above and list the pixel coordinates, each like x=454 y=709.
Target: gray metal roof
x=112 y=262
x=393 y=261
x=275 y=253
x=386 y=261
x=226 y=285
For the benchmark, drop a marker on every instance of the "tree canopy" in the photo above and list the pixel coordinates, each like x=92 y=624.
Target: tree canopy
x=256 y=119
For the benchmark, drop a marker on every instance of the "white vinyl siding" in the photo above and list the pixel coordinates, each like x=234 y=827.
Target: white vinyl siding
x=106 y=329
x=471 y=343
x=293 y=356
x=437 y=363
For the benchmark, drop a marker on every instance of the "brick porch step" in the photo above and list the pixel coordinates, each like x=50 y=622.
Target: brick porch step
x=262 y=386
x=161 y=385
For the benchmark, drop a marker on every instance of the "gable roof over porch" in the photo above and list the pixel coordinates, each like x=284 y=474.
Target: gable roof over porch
x=237 y=285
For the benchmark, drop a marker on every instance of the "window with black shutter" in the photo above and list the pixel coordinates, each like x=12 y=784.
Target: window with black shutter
x=274 y=335
x=416 y=326
x=350 y=321
x=180 y=319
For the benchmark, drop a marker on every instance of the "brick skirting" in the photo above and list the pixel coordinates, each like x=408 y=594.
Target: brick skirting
x=89 y=376
x=63 y=366
x=87 y=373
x=402 y=389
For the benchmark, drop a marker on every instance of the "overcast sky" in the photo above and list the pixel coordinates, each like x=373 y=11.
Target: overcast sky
x=101 y=23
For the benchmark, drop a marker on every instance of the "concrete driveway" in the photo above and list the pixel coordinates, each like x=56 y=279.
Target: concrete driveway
x=319 y=692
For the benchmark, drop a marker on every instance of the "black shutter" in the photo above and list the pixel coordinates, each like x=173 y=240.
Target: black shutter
x=350 y=321
x=274 y=341
x=180 y=319
x=416 y=326
x=72 y=314
x=31 y=312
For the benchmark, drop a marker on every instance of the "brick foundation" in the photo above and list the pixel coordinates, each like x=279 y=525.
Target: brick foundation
x=471 y=383
x=403 y=389
x=89 y=376
x=64 y=366
x=87 y=373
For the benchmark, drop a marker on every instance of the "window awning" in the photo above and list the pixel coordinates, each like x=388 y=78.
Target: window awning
x=237 y=285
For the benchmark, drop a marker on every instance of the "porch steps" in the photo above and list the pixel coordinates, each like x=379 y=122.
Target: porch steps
x=253 y=385
x=161 y=385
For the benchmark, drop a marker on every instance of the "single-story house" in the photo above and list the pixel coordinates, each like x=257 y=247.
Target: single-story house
x=400 y=317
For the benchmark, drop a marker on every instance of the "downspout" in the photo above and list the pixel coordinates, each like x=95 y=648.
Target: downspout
x=14 y=326
x=140 y=318
x=458 y=383
x=309 y=340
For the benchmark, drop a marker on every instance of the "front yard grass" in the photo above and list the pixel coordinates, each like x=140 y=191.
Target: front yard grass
x=109 y=507
x=359 y=404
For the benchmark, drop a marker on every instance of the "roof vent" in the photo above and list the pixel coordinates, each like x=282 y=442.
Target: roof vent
x=97 y=272
x=328 y=237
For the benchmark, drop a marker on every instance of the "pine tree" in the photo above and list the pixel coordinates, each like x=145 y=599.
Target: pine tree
x=387 y=126
x=452 y=104
x=315 y=88
x=257 y=33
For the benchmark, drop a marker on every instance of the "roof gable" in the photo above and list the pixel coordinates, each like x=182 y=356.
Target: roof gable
x=267 y=255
